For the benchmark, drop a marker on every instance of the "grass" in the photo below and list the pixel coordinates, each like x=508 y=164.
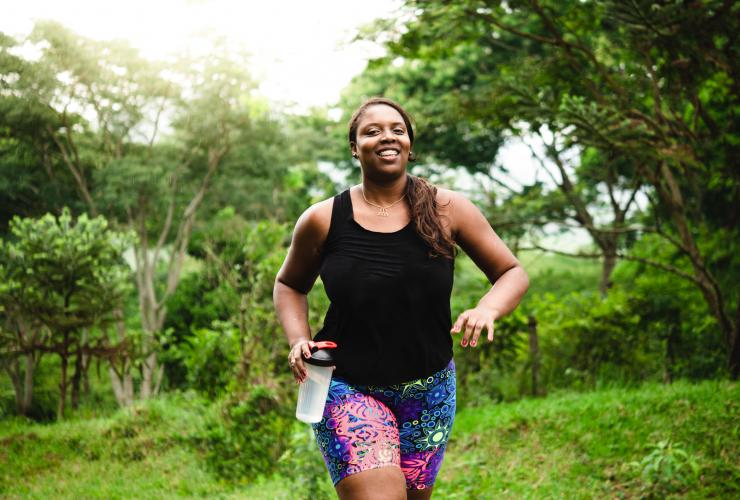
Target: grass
x=593 y=445
x=603 y=444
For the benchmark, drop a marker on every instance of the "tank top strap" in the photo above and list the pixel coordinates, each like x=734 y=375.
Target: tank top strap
x=342 y=208
x=341 y=214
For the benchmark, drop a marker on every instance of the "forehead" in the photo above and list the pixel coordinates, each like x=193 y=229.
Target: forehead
x=380 y=113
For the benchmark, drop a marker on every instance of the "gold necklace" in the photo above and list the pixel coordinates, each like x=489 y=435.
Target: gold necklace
x=382 y=211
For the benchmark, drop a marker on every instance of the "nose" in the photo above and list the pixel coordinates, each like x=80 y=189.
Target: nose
x=387 y=135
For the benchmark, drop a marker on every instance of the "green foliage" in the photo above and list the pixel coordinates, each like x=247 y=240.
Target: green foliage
x=672 y=311
x=59 y=278
x=66 y=273
x=580 y=445
x=619 y=93
x=667 y=469
x=570 y=445
x=585 y=339
x=209 y=357
x=304 y=467
x=249 y=438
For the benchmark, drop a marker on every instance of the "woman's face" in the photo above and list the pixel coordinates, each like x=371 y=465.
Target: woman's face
x=383 y=143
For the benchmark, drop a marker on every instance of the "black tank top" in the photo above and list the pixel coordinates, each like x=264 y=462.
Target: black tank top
x=390 y=301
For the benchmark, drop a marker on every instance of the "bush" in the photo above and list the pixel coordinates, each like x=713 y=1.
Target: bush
x=303 y=464
x=209 y=357
x=666 y=469
x=248 y=438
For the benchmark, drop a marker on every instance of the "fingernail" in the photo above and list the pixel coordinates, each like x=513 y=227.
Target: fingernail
x=464 y=343
x=473 y=343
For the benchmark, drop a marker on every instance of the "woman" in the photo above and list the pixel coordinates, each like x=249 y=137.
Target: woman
x=385 y=252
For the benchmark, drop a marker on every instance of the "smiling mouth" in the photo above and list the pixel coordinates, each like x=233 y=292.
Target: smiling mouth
x=388 y=153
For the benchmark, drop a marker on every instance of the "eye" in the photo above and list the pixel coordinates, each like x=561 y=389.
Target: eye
x=399 y=131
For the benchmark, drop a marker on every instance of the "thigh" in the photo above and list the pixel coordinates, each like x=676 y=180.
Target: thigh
x=385 y=483
x=357 y=432
x=425 y=411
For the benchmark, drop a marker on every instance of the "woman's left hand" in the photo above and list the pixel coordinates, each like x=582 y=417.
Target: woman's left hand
x=473 y=321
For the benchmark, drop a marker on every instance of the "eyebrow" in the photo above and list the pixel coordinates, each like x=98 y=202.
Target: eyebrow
x=375 y=124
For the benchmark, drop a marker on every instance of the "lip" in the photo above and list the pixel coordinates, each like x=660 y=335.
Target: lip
x=397 y=152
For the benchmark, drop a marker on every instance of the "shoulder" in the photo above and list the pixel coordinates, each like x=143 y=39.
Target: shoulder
x=449 y=198
x=456 y=208
x=314 y=222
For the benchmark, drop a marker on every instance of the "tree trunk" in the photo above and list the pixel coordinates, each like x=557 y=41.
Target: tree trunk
x=62 y=385
x=534 y=353
x=86 y=359
x=734 y=361
x=76 y=380
x=28 y=384
x=607 y=267
x=14 y=372
x=148 y=371
x=120 y=376
x=123 y=386
x=669 y=191
x=670 y=355
x=22 y=381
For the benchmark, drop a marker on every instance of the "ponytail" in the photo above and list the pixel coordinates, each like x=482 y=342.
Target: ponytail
x=422 y=198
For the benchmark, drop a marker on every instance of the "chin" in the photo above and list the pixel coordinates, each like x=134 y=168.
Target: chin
x=389 y=173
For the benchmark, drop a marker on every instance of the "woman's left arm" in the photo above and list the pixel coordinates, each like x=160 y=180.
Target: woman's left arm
x=475 y=236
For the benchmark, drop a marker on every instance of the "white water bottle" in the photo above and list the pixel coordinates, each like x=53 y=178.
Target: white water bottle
x=314 y=389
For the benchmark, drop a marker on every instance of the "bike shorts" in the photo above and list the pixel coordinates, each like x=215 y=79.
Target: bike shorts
x=407 y=425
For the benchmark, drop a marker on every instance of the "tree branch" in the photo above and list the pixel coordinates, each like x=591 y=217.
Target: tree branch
x=660 y=265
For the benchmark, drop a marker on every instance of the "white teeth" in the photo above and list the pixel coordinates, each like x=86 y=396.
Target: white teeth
x=388 y=153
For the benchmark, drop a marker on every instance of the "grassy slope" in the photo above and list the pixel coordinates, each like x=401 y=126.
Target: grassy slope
x=565 y=446
x=581 y=445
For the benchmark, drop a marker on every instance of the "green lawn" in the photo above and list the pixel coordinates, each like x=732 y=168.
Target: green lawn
x=570 y=445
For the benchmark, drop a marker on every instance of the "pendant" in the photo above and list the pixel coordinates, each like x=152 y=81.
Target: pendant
x=383 y=212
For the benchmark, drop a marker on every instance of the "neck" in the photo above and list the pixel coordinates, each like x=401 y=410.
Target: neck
x=386 y=193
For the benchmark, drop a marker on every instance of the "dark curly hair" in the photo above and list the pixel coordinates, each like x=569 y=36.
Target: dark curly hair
x=421 y=194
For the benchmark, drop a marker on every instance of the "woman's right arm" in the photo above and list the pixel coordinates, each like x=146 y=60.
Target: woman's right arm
x=296 y=278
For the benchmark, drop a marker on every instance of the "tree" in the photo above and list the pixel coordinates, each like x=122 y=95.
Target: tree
x=66 y=275
x=105 y=107
x=32 y=180
x=650 y=88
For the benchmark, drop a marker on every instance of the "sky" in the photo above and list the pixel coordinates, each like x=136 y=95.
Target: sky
x=301 y=50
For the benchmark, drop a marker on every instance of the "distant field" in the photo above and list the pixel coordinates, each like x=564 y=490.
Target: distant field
x=559 y=273
x=603 y=444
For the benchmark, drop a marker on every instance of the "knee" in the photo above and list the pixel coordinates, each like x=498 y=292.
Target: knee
x=384 y=483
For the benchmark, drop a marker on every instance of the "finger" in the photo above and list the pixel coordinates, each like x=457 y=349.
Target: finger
x=459 y=323
x=461 y=328
x=476 y=332
x=296 y=373
x=306 y=349
x=490 y=330
x=296 y=356
x=301 y=365
x=300 y=368
x=469 y=325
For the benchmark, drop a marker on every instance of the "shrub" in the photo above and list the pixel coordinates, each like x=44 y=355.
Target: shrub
x=248 y=438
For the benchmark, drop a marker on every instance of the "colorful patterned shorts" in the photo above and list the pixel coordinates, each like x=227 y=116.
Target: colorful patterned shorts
x=407 y=425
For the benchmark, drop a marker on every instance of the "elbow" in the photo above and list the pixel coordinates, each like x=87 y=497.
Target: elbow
x=524 y=278
x=281 y=286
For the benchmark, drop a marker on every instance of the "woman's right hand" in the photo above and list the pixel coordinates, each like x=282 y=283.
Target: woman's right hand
x=300 y=349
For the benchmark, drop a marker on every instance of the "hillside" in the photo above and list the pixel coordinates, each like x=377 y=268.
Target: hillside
x=678 y=441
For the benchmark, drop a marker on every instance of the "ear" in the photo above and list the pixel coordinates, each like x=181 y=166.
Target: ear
x=353 y=149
